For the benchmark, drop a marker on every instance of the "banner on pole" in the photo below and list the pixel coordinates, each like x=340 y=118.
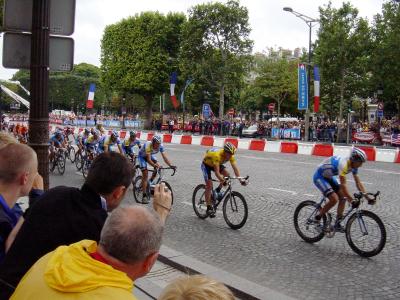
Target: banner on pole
x=90 y=100
x=303 y=87
x=316 y=89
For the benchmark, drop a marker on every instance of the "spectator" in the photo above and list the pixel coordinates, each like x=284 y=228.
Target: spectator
x=65 y=215
x=197 y=287
x=18 y=169
x=128 y=248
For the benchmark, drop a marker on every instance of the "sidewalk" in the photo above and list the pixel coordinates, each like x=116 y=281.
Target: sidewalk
x=172 y=264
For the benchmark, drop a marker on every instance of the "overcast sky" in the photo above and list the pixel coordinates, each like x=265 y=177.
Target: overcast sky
x=271 y=26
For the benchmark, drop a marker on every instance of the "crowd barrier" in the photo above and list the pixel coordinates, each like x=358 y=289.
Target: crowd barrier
x=293 y=147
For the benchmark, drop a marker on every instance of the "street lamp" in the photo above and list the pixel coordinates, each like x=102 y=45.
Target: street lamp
x=310 y=23
x=123 y=113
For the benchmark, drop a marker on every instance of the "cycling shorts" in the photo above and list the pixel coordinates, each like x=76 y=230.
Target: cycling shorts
x=327 y=186
x=206 y=170
x=143 y=161
x=128 y=149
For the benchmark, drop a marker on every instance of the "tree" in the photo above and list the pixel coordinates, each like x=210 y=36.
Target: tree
x=385 y=59
x=136 y=55
x=277 y=80
x=342 y=51
x=216 y=46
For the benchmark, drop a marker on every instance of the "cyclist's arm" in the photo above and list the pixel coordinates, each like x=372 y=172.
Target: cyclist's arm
x=106 y=145
x=150 y=161
x=165 y=158
x=359 y=184
x=120 y=149
x=235 y=169
x=218 y=174
x=344 y=189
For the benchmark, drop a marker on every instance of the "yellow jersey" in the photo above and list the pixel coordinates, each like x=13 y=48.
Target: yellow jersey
x=215 y=157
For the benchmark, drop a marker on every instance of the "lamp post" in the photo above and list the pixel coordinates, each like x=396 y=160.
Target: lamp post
x=310 y=23
x=123 y=113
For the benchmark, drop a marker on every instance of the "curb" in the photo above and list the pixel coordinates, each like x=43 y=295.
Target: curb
x=242 y=288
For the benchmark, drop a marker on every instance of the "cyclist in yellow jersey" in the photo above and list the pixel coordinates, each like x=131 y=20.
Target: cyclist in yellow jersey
x=214 y=161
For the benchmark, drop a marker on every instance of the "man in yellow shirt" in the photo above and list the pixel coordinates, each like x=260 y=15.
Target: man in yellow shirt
x=214 y=161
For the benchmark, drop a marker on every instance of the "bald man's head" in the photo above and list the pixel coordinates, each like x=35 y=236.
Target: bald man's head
x=15 y=160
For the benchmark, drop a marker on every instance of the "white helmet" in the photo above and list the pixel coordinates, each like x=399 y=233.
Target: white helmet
x=358 y=155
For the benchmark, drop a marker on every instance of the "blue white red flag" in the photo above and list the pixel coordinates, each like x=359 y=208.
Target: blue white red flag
x=316 y=89
x=90 y=100
x=172 y=82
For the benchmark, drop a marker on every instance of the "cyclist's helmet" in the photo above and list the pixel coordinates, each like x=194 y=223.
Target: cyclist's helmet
x=132 y=133
x=358 y=155
x=96 y=132
x=156 y=139
x=229 y=148
x=57 y=134
x=114 y=134
x=92 y=130
x=87 y=131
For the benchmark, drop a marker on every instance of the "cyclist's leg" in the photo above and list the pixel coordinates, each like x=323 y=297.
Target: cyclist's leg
x=206 y=171
x=342 y=200
x=143 y=167
x=328 y=191
x=154 y=160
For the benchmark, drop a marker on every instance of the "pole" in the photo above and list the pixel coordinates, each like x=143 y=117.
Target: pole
x=307 y=114
x=39 y=78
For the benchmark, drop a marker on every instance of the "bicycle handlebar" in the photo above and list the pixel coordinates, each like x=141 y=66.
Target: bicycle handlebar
x=169 y=168
x=371 y=197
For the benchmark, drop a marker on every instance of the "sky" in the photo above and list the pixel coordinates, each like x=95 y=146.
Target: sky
x=271 y=26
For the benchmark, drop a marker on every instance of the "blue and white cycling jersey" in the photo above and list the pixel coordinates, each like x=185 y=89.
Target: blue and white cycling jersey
x=56 y=142
x=336 y=166
x=147 y=148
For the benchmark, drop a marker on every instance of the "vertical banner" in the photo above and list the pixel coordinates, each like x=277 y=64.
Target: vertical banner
x=206 y=111
x=90 y=99
x=316 y=89
x=172 y=82
x=303 y=88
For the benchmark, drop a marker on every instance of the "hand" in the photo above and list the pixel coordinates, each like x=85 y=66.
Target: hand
x=162 y=200
x=243 y=182
x=38 y=182
x=355 y=203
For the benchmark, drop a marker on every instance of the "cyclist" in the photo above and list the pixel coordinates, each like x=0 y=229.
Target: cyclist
x=214 y=160
x=106 y=143
x=92 y=141
x=326 y=181
x=56 y=142
x=147 y=155
x=130 y=143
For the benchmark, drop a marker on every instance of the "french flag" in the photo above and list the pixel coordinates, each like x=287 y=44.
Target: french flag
x=316 y=89
x=172 y=82
x=90 y=100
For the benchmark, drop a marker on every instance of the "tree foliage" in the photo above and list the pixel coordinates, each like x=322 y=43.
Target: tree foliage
x=342 y=51
x=136 y=54
x=216 y=47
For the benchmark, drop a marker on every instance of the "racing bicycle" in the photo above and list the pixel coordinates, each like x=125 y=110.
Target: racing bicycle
x=58 y=161
x=365 y=231
x=234 y=206
x=138 y=185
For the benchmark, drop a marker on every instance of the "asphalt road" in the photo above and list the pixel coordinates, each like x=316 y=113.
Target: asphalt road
x=267 y=250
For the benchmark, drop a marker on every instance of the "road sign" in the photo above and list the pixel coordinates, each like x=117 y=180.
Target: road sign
x=17 y=52
x=379 y=113
x=18 y=16
x=271 y=106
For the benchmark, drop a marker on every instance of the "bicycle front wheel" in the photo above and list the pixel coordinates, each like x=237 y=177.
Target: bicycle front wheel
x=138 y=190
x=199 y=201
x=303 y=222
x=71 y=154
x=366 y=233
x=61 y=164
x=78 y=161
x=85 y=167
x=235 y=210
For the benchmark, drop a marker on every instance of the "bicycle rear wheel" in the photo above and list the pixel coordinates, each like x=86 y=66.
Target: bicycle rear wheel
x=78 y=160
x=235 y=210
x=199 y=201
x=71 y=154
x=366 y=233
x=303 y=222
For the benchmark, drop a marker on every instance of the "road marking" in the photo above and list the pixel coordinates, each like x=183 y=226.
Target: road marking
x=309 y=195
x=285 y=191
x=78 y=173
x=191 y=204
x=382 y=171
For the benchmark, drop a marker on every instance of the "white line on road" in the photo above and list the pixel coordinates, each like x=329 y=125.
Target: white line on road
x=286 y=191
x=190 y=204
x=309 y=195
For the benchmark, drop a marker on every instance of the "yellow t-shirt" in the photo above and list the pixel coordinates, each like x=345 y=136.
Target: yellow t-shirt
x=215 y=156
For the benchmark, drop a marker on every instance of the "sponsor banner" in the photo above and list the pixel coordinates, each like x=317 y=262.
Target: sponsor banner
x=366 y=136
x=288 y=133
x=303 y=87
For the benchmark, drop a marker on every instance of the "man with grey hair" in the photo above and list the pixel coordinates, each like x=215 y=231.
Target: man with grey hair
x=18 y=169
x=127 y=250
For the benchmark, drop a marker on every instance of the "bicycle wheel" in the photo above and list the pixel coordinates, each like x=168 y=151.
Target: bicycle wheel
x=199 y=201
x=85 y=167
x=138 y=190
x=52 y=165
x=71 y=154
x=235 y=210
x=303 y=222
x=366 y=233
x=61 y=159
x=78 y=160
x=170 y=188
